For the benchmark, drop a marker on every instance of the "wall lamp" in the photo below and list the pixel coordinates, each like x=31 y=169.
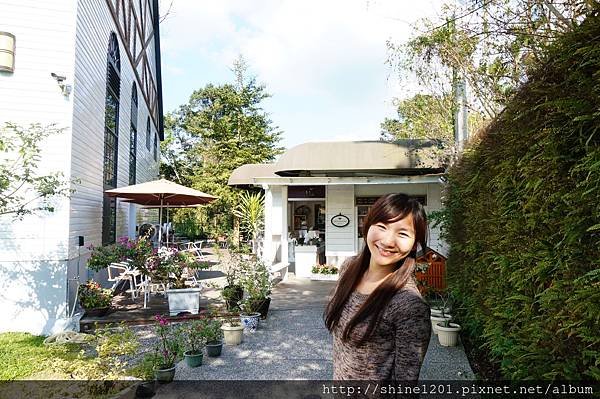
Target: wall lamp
x=64 y=87
x=7 y=52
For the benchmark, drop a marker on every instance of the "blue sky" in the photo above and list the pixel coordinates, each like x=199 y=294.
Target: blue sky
x=323 y=61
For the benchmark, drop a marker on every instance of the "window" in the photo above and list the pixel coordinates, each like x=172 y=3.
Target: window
x=111 y=139
x=148 y=133
x=133 y=136
x=155 y=146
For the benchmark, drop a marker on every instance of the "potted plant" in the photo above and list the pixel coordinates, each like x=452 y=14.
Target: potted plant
x=125 y=249
x=94 y=299
x=232 y=292
x=249 y=315
x=440 y=311
x=324 y=272
x=233 y=331
x=213 y=336
x=195 y=341
x=167 y=350
x=168 y=266
x=257 y=284
x=448 y=333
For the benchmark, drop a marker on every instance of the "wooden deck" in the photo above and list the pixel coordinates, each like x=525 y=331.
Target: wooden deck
x=124 y=309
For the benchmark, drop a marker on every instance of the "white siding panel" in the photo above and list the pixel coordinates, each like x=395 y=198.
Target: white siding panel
x=370 y=190
x=339 y=199
x=94 y=25
x=33 y=296
x=33 y=250
x=277 y=212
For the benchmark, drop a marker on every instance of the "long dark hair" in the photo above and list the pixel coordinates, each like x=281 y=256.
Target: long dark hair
x=387 y=209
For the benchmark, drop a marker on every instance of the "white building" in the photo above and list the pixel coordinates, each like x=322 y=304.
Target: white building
x=328 y=187
x=92 y=67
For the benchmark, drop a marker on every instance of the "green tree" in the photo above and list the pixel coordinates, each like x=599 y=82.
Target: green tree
x=492 y=45
x=23 y=190
x=178 y=160
x=420 y=117
x=221 y=128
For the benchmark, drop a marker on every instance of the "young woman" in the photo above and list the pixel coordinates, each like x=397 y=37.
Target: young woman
x=379 y=321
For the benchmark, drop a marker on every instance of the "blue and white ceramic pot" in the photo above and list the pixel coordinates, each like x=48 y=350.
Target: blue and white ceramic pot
x=250 y=321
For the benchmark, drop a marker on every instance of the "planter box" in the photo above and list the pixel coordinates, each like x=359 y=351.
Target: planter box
x=324 y=277
x=184 y=300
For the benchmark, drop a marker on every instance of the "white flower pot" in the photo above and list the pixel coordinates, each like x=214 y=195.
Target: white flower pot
x=233 y=335
x=438 y=319
x=323 y=277
x=184 y=300
x=448 y=336
x=437 y=311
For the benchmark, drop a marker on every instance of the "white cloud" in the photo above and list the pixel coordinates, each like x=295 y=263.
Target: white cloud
x=332 y=50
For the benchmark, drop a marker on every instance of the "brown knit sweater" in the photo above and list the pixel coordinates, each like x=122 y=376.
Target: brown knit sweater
x=397 y=346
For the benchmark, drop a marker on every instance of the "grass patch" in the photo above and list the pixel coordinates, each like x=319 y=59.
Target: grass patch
x=23 y=355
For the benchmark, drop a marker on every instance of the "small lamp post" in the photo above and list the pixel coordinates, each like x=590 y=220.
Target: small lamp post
x=7 y=52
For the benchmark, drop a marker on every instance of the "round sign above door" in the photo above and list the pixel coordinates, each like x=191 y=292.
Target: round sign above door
x=340 y=220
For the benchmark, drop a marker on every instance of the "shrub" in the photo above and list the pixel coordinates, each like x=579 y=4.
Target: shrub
x=521 y=217
x=324 y=269
x=92 y=296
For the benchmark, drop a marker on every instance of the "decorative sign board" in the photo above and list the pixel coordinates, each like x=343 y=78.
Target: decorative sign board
x=340 y=220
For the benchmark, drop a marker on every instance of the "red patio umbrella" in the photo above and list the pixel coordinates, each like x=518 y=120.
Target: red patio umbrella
x=162 y=194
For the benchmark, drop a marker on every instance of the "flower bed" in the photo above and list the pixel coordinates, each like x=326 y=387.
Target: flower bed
x=324 y=273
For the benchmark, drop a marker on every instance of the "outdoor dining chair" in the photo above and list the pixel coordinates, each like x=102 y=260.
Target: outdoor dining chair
x=196 y=249
x=122 y=271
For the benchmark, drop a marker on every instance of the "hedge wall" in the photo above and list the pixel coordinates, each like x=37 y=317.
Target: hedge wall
x=522 y=217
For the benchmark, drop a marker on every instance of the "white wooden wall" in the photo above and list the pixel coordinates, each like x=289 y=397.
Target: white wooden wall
x=69 y=38
x=94 y=25
x=339 y=241
x=33 y=251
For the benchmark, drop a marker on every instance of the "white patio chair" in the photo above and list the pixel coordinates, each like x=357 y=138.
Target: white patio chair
x=122 y=271
x=196 y=248
x=191 y=278
x=115 y=273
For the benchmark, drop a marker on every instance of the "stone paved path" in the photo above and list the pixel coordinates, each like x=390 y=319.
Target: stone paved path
x=293 y=344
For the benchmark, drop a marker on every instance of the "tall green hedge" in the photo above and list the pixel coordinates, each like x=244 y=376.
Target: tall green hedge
x=523 y=220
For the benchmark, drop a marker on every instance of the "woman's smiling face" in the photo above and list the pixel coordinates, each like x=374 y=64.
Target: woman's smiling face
x=391 y=242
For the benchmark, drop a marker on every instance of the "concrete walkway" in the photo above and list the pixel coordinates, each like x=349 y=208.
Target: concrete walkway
x=293 y=344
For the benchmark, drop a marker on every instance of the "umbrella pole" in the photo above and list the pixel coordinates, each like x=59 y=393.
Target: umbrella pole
x=160 y=221
x=167 y=224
